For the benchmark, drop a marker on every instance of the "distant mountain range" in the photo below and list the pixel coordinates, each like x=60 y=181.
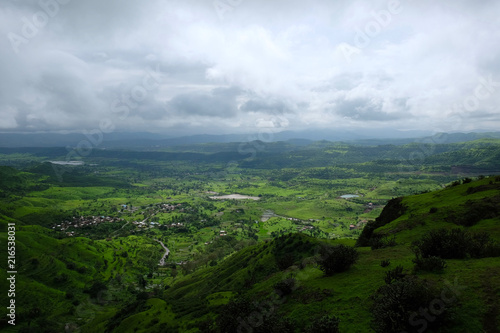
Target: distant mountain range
x=157 y=140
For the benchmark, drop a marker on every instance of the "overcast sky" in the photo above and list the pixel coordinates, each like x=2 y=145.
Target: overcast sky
x=237 y=66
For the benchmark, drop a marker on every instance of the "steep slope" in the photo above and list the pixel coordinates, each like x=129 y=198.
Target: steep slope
x=466 y=203
x=279 y=286
x=65 y=281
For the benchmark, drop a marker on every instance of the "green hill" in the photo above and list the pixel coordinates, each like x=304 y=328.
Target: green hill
x=279 y=287
x=428 y=262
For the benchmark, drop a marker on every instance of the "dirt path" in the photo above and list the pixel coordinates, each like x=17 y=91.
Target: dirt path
x=120 y=228
x=167 y=252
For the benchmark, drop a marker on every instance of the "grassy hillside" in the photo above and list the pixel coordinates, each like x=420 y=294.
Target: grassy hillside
x=279 y=286
x=67 y=278
x=261 y=276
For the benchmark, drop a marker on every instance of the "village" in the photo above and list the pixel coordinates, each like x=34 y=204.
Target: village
x=70 y=227
x=78 y=222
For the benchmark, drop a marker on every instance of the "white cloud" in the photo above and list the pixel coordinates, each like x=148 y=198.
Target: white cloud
x=282 y=57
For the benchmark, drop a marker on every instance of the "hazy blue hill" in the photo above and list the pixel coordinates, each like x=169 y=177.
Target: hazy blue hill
x=138 y=140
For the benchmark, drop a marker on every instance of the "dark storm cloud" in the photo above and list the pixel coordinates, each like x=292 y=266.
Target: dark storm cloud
x=220 y=102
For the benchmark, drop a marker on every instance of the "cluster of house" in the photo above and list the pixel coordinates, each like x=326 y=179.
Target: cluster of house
x=304 y=228
x=222 y=233
x=79 y=222
x=168 y=207
x=369 y=208
x=163 y=207
x=144 y=224
x=360 y=225
x=129 y=208
x=175 y=225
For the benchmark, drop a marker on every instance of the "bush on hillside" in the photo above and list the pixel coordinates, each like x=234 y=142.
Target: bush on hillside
x=285 y=287
x=476 y=210
x=245 y=315
x=96 y=288
x=430 y=264
x=325 y=324
x=385 y=262
x=466 y=180
x=336 y=259
x=394 y=274
x=381 y=242
x=482 y=246
x=447 y=244
x=397 y=307
x=284 y=261
x=455 y=244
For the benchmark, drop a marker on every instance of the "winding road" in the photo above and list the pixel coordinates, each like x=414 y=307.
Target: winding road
x=167 y=252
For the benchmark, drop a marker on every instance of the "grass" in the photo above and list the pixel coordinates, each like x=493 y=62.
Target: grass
x=193 y=297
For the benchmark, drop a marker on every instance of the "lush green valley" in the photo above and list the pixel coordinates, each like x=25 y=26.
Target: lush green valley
x=261 y=237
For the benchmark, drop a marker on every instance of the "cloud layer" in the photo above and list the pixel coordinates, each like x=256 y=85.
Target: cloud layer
x=227 y=66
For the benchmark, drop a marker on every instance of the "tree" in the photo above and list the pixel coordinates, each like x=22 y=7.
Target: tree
x=397 y=306
x=336 y=259
x=96 y=288
x=325 y=324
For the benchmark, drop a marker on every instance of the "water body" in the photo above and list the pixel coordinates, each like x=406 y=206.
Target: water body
x=67 y=162
x=234 y=196
x=349 y=196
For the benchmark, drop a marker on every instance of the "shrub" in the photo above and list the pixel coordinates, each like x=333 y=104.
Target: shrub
x=239 y=316
x=285 y=287
x=61 y=278
x=336 y=259
x=153 y=322
x=447 y=244
x=482 y=246
x=430 y=264
x=476 y=210
x=70 y=265
x=455 y=244
x=325 y=324
x=385 y=263
x=81 y=269
x=433 y=210
x=383 y=242
x=285 y=261
x=96 y=288
x=397 y=306
x=394 y=274
x=240 y=307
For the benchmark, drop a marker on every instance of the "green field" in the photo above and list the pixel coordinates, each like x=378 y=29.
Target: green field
x=88 y=251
